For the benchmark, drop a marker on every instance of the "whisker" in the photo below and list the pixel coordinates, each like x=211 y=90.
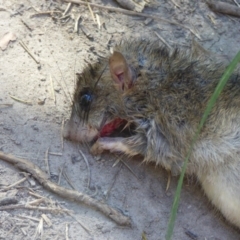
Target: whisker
x=100 y=76
x=67 y=94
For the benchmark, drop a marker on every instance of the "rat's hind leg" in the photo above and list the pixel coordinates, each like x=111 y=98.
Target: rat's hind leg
x=222 y=186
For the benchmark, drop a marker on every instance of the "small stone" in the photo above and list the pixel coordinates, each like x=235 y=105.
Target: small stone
x=41 y=100
x=42 y=78
x=97 y=158
x=34 y=127
x=75 y=159
x=147 y=21
x=57 y=89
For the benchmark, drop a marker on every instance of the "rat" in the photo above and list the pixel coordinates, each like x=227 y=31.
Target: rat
x=158 y=97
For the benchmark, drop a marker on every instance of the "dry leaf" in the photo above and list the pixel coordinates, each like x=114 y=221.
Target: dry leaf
x=4 y=41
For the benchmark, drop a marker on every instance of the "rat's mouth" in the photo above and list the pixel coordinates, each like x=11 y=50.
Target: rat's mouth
x=117 y=127
x=76 y=131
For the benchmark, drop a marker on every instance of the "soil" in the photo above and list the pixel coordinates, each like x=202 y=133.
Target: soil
x=31 y=119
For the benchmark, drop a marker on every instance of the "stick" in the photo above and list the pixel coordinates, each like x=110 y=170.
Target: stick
x=128 y=12
x=77 y=24
x=80 y=223
x=15 y=184
x=224 y=8
x=236 y=3
x=25 y=206
x=8 y=201
x=67 y=9
x=79 y=197
x=20 y=100
x=88 y=168
x=45 y=13
x=28 y=51
x=66 y=231
x=91 y=12
x=5 y=105
x=113 y=182
x=52 y=89
x=64 y=174
x=46 y=162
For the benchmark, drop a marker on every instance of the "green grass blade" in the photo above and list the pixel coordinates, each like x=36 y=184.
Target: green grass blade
x=210 y=104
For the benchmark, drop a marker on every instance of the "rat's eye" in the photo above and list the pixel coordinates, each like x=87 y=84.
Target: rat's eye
x=85 y=99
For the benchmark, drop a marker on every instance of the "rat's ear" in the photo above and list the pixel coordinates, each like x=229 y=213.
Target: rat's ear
x=120 y=71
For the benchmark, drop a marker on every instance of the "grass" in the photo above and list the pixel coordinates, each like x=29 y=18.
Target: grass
x=210 y=105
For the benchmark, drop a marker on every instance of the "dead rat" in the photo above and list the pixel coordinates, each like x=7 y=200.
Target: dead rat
x=160 y=97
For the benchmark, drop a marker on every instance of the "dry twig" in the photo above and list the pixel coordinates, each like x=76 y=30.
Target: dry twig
x=46 y=219
x=67 y=9
x=55 y=153
x=10 y=230
x=77 y=24
x=26 y=25
x=64 y=174
x=128 y=12
x=176 y=4
x=79 y=197
x=113 y=182
x=36 y=201
x=62 y=140
x=24 y=206
x=5 y=105
x=29 y=217
x=67 y=238
x=129 y=168
x=98 y=21
x=119 y=159
x=46 y=162
x=15 y=184
x=60 y=174
x=28 y=51
x=88 y=168
x=39 y=230
x=80 y=223
x=224 y=8
x=48 y=13
x=91 y=11
x=20 y=100
x=52 y=89
x=236 y=3
x=8 y=200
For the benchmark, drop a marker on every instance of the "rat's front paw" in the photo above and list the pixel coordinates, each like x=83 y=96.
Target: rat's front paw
x=97 y=148
x=108 y=144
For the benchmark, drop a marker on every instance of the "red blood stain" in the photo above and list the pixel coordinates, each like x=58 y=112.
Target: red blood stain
x=112 y=126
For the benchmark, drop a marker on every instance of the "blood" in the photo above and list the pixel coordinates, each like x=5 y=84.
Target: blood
x=112 y=126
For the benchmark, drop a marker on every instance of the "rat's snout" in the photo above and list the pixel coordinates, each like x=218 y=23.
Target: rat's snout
x=75 y=130
x=67 y=130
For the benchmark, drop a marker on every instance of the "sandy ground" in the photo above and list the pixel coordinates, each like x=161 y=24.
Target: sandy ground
x=30 y=130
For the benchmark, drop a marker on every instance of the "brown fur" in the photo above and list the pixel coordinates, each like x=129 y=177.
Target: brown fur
x=163 y=95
